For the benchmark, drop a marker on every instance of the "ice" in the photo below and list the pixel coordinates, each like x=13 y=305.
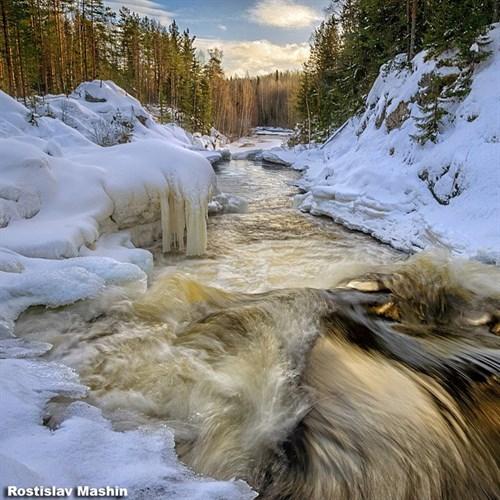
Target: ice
x=227 y=203
x=72 y=213
x=26 y=282
x=43 y=166
x=64 y=196
x=371 y=176
x=84 y=449
x=245 y=148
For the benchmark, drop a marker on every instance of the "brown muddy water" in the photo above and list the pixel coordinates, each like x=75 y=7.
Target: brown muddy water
x=274 y=245
x=311 y=361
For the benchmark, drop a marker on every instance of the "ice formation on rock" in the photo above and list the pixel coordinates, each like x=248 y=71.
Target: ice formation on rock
x=63 y=196
x=101 y=190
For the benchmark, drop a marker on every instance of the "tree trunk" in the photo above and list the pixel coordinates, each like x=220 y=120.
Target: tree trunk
x=83 y=35
x=21 y=64
x=7 y=48
x=93 y=42
x=413 y=29
x=58 y=13
x=408 y=29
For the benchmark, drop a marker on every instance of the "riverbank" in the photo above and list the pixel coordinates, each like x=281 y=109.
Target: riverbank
x=217 y=346
x=372 y=175
x=75 y=206
x=268 y=249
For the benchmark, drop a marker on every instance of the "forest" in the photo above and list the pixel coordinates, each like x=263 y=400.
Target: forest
x=50 y=46
x=359 y=36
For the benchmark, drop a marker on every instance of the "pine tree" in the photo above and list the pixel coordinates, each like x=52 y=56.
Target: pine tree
x=7 y=49
x=217 y=88
x=452 y=24
x=431 y=103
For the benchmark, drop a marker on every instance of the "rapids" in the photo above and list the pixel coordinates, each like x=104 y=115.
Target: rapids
x=311 y=361
x=272 y=244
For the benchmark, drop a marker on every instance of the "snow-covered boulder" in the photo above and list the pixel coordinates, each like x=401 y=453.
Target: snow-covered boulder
x=106 y=115
x=62 y=195
x=374 y=176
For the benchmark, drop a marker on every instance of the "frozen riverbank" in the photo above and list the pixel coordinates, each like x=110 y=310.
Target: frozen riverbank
x=373 y=177
x=75 y=202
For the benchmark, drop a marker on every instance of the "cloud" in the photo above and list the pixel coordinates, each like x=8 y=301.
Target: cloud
x=144 y=8
x=258 y=57
x=222 y=27
x=284 y=14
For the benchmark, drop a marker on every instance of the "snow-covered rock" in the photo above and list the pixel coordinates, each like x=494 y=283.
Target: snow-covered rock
x=372 y=176
x=84 y=450
x=225 y=203
x=62 y=194
x=247 y=148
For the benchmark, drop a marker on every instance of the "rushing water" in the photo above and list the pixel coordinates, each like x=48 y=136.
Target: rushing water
x=309 y=360
x=274 y=245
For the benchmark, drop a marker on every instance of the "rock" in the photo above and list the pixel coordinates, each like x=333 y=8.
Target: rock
x=397 y=117
x=274 y=158
x=91 y=98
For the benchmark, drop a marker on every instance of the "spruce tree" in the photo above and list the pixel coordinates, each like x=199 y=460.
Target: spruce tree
x=432 y=111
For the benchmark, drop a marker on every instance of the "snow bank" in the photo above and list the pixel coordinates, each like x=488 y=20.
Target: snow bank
x=27 y=282
x=85 y=450
x=371 y=176
x=72 y=212
x=62 y=193
x=252 y=148
x=105 y=114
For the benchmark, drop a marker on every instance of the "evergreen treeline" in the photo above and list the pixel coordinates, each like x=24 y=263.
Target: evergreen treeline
x=50 y=46
x=358 y=36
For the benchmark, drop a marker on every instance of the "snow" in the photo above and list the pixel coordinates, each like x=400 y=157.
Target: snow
x=227 y=203
x=75 y=203
x=63 y=195
x=371 y=176
x=30 y=281
x=73 y=212
x=85 y=450
x=248 y=148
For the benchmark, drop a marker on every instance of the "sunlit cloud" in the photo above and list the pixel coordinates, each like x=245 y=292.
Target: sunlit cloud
x=144 y=8
x=257 y=57
x=284 y=14
x=222 y=27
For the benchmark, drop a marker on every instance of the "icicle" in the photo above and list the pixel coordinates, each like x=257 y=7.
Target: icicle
x=177 y=220
x=184 y=221
x=173 y=220
x=165 y=220
x=196 y=215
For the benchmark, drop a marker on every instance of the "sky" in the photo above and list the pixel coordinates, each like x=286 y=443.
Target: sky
x=256 y=36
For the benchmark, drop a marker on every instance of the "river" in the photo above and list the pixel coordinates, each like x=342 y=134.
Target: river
x=309 y=360
x=272 y=244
